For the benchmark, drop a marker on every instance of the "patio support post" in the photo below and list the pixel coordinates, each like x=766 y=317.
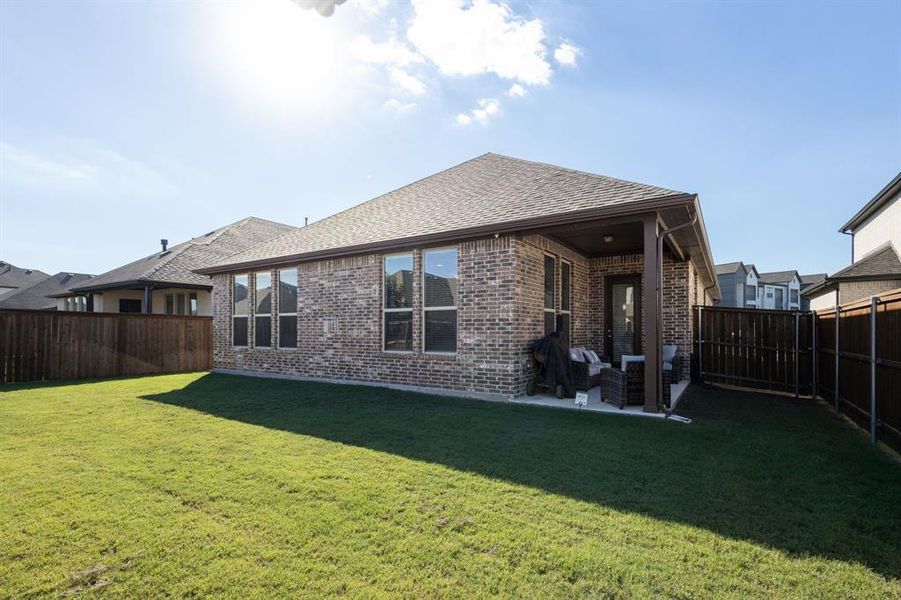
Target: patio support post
x=874 y=304
x=651 y=310
x=148 y=299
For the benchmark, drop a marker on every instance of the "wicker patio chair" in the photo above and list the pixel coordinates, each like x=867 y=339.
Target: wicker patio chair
x=626 y=388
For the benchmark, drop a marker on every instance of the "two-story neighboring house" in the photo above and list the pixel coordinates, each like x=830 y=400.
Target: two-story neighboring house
x=743 y=286
x=875 y=253
x=739 y=285
x=780 y=290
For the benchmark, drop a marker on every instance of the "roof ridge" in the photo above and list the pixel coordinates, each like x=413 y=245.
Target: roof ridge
x=403 y=187
x=580 y=172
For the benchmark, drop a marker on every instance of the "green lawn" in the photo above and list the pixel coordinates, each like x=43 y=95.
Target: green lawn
x=208 y=484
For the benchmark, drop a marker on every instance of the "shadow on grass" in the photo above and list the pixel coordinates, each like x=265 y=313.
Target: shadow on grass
x=766 y=469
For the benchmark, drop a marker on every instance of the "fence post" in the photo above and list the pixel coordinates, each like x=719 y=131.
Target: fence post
x=813 y=355
x=796 y=354
x=874 y=303
x=700 y=344
x=838 y=312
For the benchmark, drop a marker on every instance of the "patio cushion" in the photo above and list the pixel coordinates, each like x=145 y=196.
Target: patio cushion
x=627 y=358
x=669 y=353
x=577 y=354
x=595 y=368
x=592 y=356
x=667 y=366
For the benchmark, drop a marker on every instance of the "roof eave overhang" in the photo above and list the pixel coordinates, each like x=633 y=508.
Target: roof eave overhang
x=521 y=225
x=876 y=277
x=885 y=194
x=135 y=283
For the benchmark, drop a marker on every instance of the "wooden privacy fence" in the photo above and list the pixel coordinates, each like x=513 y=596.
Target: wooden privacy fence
x=859 y=354
x=855 y=349
x=760 y=349
x=47 y=345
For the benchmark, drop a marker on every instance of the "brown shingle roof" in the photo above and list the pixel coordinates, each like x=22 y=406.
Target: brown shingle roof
x=488 y=190
x=882 y=261
x=40 y=296
x=12 y=276
x=177 y=264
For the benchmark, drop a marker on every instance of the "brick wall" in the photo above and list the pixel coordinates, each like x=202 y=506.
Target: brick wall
x=849 y=291
x=500 y=312
x=340 y=323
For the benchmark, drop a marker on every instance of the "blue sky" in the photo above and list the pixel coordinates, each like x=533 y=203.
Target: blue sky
x=124 y=123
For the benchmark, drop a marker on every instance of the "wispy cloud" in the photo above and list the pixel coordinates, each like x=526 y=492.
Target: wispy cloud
x=485 y=110
x=78 y=165
x=395 y=106
x=407 y=82
x=24 y=165
x=391 y=52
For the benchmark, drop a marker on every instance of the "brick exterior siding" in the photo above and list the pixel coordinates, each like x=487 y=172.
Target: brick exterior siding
x=849 y=291
x=500 y=312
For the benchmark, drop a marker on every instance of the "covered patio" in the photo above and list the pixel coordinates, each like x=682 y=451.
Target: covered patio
x=642 y=273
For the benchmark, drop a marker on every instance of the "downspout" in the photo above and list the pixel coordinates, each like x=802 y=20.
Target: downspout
x=851 y=233
x=659 y=305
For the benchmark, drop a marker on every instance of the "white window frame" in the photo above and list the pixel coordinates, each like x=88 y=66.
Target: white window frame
x=278 y=307
x=196 y=310
x=424 y=308
x=553 y=309
x=246 y=316
x=253 y=309
x=568 y=312
x=385 y=310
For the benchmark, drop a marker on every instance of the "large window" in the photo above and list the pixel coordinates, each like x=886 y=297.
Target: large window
x=398 y=307
x=550 y=267
x=565 y=297
x=287 y=308
x=192 y=304
x=439 y=302
x=751 y=293
x=262 y=310
x=793 y=296
x=780 y=298
x=240 y=310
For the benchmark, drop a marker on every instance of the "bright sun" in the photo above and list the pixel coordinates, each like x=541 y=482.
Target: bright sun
x=280 y=57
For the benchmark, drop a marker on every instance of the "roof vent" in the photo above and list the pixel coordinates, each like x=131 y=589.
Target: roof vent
x=164 y=243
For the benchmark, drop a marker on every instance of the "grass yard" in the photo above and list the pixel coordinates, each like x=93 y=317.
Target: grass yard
x=189 y=485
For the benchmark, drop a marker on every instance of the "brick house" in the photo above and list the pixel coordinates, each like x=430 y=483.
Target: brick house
x=445 y=282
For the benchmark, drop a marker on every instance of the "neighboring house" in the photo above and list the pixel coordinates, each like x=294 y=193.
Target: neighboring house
x=13 y=278
x=739 y=285
x=445 y=283
x=875 y=246
x=165 y=282
x=780 y=290
x=42 y=295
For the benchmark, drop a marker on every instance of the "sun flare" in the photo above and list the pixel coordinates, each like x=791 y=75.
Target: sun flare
x=280 y=57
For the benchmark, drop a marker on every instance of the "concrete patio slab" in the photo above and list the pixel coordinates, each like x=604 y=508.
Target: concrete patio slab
x=595 y=404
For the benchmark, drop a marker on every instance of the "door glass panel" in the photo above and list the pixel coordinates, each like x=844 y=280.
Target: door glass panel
x=623 y=319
